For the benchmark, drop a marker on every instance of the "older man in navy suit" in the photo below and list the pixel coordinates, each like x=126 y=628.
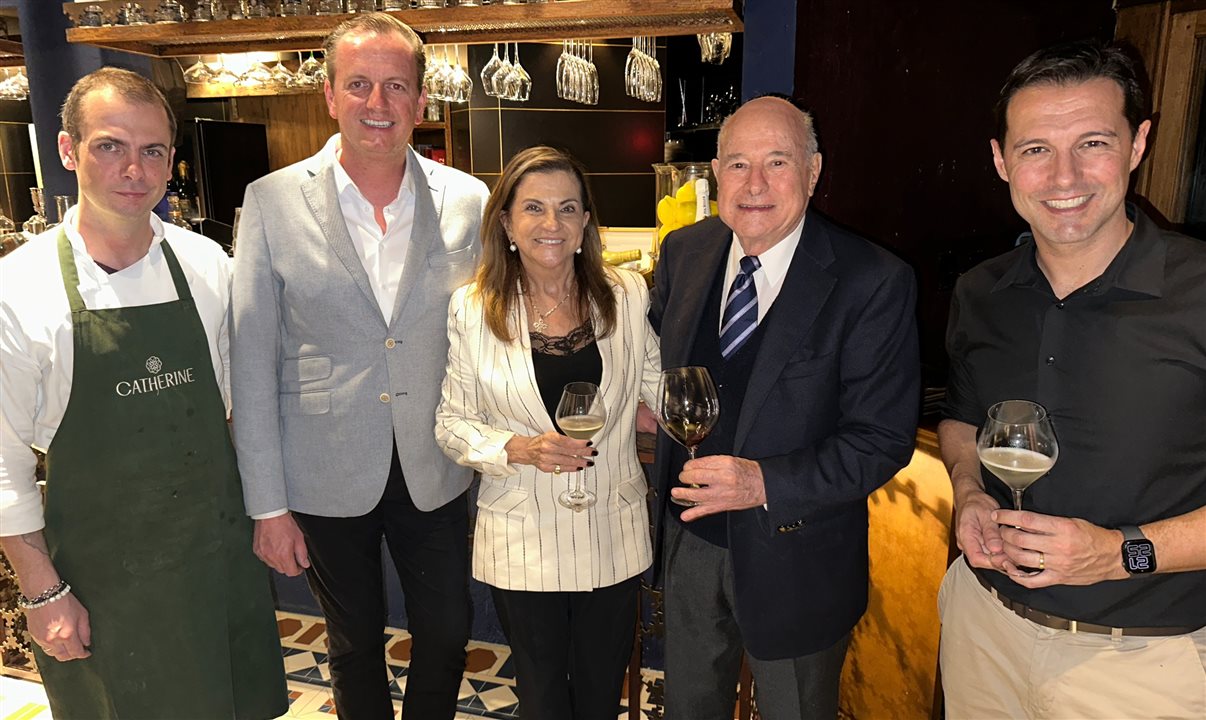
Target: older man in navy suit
x=810 y=335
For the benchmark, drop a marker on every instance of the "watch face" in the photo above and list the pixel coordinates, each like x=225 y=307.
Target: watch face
x=1138 y=556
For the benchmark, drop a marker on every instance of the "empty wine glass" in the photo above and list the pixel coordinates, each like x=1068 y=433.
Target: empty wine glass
x=282 y=76
x=489 y=71
x=592 y=77
x=309 y=71
x=687 y=409
x=197 y=73
x=255 y=76
x=460 y=86
x=1017 y=444
x=580 y=415
x=520 y=82
x=502 y=77
x=221 y=75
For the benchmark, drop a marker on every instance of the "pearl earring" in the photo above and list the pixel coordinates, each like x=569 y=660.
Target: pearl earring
x=513 y=248
x=578 y=251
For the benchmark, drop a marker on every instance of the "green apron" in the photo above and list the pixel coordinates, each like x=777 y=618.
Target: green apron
x=144 y=517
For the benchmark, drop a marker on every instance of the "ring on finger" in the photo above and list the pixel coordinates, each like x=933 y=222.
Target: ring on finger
x=556 y=469
x=1042 y=561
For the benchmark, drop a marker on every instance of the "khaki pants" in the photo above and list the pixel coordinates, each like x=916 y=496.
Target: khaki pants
x=998 y=665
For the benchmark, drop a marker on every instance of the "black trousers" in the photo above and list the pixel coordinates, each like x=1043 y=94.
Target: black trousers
x=431 y=553
x=570 y=649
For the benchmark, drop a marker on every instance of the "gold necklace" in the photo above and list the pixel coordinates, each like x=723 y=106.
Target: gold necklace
x=540 y=324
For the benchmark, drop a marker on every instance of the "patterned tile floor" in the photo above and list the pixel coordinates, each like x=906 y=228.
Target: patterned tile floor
x=487 y=689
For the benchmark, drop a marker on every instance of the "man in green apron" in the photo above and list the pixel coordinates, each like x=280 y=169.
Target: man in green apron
x=138 y=581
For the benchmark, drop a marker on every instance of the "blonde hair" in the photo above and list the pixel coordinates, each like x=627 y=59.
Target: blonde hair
x=376 y=23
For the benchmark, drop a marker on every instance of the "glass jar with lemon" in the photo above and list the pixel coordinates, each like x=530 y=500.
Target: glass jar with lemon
x=685 y=195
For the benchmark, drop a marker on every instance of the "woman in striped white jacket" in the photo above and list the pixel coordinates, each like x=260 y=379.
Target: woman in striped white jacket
x=544 y=310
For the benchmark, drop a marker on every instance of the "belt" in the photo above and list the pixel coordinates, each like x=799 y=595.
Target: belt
x=1055 y=622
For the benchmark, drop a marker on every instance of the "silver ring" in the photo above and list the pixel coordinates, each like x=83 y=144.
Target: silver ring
x=1042 y=561
x=556 y=469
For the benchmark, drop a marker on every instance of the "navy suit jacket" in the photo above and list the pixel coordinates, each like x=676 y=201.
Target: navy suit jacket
x=830 y=414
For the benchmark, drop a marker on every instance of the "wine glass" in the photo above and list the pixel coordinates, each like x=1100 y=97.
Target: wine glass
x=500 y=79
x=1017 y=444
x=580 y=415
x=489 y=71
x=197 y=73
x=687 y=409
x=520 y=82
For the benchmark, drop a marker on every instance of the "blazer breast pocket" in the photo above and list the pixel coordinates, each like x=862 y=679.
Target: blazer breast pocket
x=317 y=402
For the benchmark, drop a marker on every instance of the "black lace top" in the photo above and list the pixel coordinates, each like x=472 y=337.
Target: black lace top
x=558 y=361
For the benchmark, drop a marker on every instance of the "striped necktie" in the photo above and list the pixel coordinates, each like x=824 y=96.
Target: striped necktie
x=741 y=310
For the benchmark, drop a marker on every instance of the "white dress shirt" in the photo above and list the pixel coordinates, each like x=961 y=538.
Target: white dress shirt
x=36 y=339
x=382 y=253
x=768 y=279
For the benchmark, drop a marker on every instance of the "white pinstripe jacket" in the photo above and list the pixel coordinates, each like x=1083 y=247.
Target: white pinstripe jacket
x=525 y=540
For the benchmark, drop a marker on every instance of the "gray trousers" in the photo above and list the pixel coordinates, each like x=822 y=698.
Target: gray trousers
x=704 y=645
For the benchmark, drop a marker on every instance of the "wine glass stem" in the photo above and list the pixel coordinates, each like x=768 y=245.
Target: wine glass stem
x=691 y=453
x=1017 y=499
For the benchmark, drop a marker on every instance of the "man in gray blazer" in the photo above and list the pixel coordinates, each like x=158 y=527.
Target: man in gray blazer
x=345 y=265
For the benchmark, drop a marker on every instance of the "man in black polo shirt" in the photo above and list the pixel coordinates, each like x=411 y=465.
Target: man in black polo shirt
x=1091 y=602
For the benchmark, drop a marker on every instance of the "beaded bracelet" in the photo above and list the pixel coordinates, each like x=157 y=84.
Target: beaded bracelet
x=58 y=592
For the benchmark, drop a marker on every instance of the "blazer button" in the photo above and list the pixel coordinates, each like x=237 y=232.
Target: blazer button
x=384 y=397
x=389 y=343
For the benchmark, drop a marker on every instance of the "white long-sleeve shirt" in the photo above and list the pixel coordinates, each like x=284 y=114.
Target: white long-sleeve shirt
x=36 y=341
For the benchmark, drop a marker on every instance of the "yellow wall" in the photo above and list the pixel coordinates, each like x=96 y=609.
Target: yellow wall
x=893 y=654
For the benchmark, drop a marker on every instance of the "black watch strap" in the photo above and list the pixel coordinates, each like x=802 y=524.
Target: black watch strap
x=1131 y=532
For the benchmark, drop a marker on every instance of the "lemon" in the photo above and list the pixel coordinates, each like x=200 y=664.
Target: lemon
x=666 y=210
x=686 y=193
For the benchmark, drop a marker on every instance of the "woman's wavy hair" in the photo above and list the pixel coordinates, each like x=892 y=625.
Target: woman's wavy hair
x=499 y=273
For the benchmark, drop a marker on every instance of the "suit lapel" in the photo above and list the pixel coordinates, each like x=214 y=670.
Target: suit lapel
x=425 y=230
x=323 y=201
x=805 y=290
x=679 y=329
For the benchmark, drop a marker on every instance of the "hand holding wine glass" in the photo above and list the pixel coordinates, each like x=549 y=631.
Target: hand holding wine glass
x=580 y=415
x=687 y=408
x=1017 y=444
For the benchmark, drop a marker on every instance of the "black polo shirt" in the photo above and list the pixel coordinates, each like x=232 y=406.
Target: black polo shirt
x=1120 y=364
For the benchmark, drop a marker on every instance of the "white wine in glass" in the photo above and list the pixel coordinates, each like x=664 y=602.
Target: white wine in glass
x=687 y=409
x=580 y=415
x=1017 y=444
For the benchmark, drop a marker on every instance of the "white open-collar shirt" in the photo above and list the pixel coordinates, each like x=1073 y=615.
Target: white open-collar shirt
x=382 y=253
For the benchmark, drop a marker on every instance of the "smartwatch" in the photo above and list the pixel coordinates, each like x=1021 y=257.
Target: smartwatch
x=1138 y=553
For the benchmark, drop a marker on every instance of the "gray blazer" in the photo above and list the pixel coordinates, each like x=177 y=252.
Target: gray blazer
x=322 y=386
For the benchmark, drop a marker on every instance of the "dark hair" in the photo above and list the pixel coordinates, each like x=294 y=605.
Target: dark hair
x=498 y=274
x=129 y=86
x=375 y=23
x=1072 y=64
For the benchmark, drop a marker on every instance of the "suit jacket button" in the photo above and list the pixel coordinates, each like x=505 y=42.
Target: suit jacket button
x=384 y=397
x=389 y=343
